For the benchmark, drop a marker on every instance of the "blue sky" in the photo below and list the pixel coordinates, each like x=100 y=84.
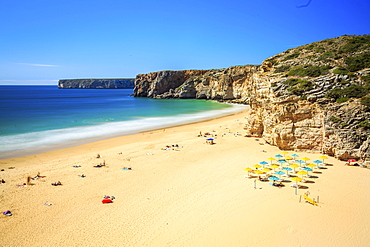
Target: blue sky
x=44 y=41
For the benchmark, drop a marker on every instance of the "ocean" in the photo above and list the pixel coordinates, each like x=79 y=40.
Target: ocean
x=34 y=119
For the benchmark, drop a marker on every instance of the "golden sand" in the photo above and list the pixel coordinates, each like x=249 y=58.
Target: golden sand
x=194 y=195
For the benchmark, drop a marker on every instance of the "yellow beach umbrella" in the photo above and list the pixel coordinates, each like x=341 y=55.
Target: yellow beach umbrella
x=297 y=179
x=288 y=158
x=305 y=158
x=271 y=159
x=312 y=165
x=257 y=166
x=258 y=172
x=302 y=173
x=266 y=169
x=284 y=152
x=323 y=158
x=248 y=169
x=294 y=166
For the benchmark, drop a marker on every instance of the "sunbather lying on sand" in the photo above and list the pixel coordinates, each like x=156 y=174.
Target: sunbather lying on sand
x=56 y=183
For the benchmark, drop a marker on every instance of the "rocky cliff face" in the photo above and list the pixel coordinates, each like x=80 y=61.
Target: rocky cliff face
x=96 y=83
x=311 y=97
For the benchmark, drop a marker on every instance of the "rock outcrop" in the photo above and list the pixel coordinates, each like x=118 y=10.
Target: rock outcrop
x=311 y=97
x=96 y=83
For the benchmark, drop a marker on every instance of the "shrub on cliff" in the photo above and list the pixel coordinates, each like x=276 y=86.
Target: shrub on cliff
x=341 y=71
x=352 y=91
x=355 y=44
x=364 y=124
x=366 y=101
x=298 y=86
x=310 y=71
x=359 y=62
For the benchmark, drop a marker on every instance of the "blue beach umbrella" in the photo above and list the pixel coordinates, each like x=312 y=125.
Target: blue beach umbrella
x=273 y=178
x=300 y=161
x=317 y=161
x=279 y=173
x=264 y=163
x=278 y=156
x=295 y=155
x=287 y=169
x=281 y=161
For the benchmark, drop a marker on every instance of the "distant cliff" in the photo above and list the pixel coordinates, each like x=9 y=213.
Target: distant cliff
x=97 y=83
x=313 y=97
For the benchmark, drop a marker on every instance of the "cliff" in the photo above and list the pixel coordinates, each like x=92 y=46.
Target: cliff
x=313 y=97
x=96 y=83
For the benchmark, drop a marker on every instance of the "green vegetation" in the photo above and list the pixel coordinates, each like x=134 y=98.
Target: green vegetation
x=359 y=62
x=298 y=86
x=282 y=68
x=335 y=119
x=365 y=124
x=355 y=44
x=326 y=56
x=366 y=101
x=319 y=49
x=341 y=71
x=291 y=56
x=352 y=91
x=309 y=70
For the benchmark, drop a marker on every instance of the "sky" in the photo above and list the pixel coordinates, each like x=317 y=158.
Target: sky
x=44 y=41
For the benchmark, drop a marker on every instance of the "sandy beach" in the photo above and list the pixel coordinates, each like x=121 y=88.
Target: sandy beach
x=193 y=195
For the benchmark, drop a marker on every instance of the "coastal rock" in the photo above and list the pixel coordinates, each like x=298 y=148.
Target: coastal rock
x=292 y=96
x=96 y=83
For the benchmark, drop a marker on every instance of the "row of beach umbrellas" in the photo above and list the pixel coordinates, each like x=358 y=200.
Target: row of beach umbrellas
x=291 y=161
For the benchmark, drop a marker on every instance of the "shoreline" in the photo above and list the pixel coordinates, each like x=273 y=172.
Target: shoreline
x=194 y=195
x=157 y=125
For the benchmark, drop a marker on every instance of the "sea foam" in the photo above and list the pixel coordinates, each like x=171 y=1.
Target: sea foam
x=36 y=142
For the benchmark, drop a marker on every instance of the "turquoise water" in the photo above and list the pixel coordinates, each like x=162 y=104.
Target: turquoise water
x=44 y=117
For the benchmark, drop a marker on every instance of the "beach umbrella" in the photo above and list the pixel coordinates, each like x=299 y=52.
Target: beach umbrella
x=281 y=161
x=323 y=158
x=259 y=172
x=287 y=169
x=248 y=170
x=279 y=173
x=305 y=159
x=307 y=170
x=288 y=158
x=294 y=166
x=296 y=179
x=295 y=155
x=278 y=156
x=264 y=163
x=271 y=159
x=317 y=161
x=274 y=166
x=302 y=173
x=266 y=169
x=257 y=166
x=284 y=152
x=312 y=165
x=300 y=161
x=273 y=178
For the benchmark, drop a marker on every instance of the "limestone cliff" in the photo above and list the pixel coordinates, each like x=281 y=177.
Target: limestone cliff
x=314 y=97
x=96 y=83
